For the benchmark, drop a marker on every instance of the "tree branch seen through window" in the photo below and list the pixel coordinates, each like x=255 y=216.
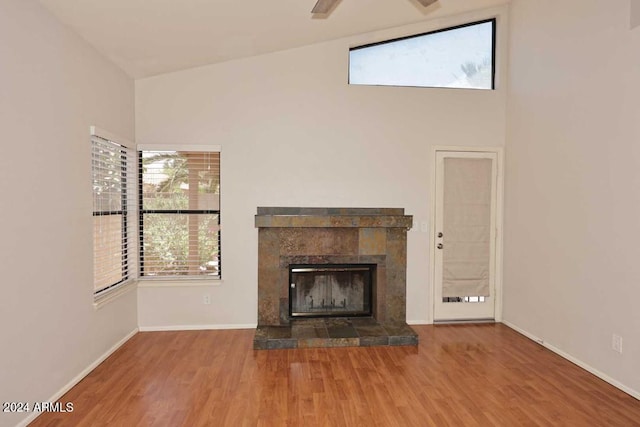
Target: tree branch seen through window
x=180 y=213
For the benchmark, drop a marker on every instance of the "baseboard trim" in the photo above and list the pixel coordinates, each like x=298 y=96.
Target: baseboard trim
x=80 y=376
x=631 y=392
x=464 y=322
x=418 y=322
x=196 y=327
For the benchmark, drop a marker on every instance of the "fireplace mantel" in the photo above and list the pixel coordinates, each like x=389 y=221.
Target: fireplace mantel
x=332 y=218
x=292 y=235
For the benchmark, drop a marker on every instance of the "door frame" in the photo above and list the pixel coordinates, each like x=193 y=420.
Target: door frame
x=499 y=151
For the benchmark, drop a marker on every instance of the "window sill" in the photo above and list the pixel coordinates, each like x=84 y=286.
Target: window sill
x=177 y=282
x=116 y=293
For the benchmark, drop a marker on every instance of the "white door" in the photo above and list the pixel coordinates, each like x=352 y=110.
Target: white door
x=465 y=235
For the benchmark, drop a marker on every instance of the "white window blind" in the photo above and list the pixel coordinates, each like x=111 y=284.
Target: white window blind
x=113 y=169
x=467 y=227
x=180 y=213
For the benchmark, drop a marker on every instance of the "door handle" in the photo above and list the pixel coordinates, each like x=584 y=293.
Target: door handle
x=439 y=246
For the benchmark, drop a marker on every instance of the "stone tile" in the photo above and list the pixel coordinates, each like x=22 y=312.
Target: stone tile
x=314 y=211
x=371 y=331
x=335 y=242
x=309 y=221
x=396 y=249
x=399 y=329
x=281 y=344
x=308 y=322
x=344 y=342
x=268 y=246
x=337 y=322
x=307 y=332
x=342 y=332
x=374 y=341
x=372 y=259
x=262 y=333
x=314 y=343
x=342 y=259
x=363 y=321
x=279 y=332
x=372 y=241
x=268 y=282
x=284 y=311
x=279 y=210
x=291 y=242
x=319 y=241
x=380 y=294
x=339 y=211
x=373 y=221
x=396 y=310
x=286 y=260
x=281 y=221
x=262 y=221
x=390 y=211
x=396 y=276
x=320 y=259
x=396 y=281
x=283 y=284
x=396 y=273
x=404 y=340
x=268 y=310
x=338 y=221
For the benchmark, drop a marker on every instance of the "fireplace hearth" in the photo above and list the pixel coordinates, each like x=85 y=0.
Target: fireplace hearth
x=332 y=277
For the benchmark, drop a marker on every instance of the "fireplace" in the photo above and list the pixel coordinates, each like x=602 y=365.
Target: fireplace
x=331 y=277
x=330 y=290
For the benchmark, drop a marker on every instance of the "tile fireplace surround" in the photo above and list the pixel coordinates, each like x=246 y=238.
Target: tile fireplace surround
x=288 y=236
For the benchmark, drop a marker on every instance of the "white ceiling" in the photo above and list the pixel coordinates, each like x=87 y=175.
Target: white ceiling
x=149 y=37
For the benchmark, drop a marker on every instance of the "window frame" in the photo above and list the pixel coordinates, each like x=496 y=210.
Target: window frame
x=127 y=211
x=142 y=211
x=494 y=43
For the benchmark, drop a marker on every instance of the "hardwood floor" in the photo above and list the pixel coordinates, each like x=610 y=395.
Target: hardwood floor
x=462 y=375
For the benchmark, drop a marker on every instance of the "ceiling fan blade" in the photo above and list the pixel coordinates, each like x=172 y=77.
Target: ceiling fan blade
x=323 y=6
x=426 y=3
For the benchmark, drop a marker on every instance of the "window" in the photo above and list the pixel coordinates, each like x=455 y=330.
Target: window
x=180 y=212
x=113 y=237
x=458 y=57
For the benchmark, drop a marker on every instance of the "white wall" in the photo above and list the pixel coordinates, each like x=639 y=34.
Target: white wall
x=573 y=181
x=53 y=87
x=293 y=133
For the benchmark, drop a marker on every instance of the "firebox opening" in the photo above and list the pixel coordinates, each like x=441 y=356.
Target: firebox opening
x=331 y=290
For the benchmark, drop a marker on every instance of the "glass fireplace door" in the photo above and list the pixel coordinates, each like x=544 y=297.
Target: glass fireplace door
x=330 y=290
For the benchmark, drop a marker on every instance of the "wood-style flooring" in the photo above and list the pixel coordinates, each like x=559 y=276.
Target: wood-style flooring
x=459 y=375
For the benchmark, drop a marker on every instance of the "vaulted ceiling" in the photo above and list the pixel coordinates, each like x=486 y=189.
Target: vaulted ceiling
x=149 y=37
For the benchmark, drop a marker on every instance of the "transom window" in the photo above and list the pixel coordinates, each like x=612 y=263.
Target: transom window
x=457 y=57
